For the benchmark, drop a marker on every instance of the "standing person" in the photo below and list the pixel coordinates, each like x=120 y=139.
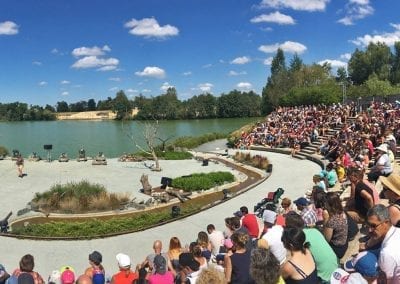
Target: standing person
x=125 y=274
x=300 y=268
x=249 y=221
x=20 y=165
x=96 y=270
x=380 y=227
x=26 y=265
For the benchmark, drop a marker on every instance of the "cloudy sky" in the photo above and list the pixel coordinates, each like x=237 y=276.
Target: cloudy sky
x=76 y=50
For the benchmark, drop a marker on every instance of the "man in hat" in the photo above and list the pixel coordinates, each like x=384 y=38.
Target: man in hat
x=125 y=274
x=391 y=191
x=382 y=166
x=161 y=273
x=307 y=213
x=380 y=228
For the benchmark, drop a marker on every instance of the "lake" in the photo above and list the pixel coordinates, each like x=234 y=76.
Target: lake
x=109 y=137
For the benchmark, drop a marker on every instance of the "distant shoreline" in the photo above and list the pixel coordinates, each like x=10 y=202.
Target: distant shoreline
x=91 y=115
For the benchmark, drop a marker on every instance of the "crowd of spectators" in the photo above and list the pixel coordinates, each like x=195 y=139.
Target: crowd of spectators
x=304 y=243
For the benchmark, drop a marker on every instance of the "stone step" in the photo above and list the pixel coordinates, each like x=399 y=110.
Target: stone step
x=298 y=156
x=316 y=143
x=307 y=151
x=312 y=147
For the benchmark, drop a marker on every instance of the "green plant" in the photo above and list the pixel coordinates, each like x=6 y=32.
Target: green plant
x=202 y=181
x=3 y=151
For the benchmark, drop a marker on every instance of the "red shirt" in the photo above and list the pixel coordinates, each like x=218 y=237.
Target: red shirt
x=123 y=277
x=249 y=221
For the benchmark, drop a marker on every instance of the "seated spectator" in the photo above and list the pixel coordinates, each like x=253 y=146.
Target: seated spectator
x=211 y=276
x=237 y=265
x=26 y=266
x=300 y=268
x=196 y=250
x=335 y=225
x=361 y=197
x=330 y=175
x=205 y=245
x=307 y=213
x=84 y=279
x=190 y=268
x=67 y=275
x=125 y=274
x=324 y=257
x=273 y=236
x=161 y=274
x=365 y=263
x=380 y=227
x=286 y=206
x=391 y=191
x=264 y=267
x=96 y=270
x=216 y=238
x=3 y=274
x=382 y=165
x=319 y=181
x=157 y=249
x=339 y=276
x=174 y=251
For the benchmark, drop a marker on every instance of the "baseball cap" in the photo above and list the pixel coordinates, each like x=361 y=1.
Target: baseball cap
x=160 y=264
x=238 y=214
x=302 y=201
x=339 y=276
x=365 y=263
x=67 y=276
x=123 y=260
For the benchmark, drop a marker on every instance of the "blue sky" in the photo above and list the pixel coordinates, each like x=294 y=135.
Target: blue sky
x=54 y=50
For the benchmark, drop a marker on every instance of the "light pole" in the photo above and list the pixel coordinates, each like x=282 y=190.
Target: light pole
x=343 y=91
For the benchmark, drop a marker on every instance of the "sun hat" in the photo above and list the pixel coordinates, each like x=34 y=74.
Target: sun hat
x=123 y=260
x=269 y=216
x=383 y=148
x=365 y=263
x=392 y=182
x=339 y=276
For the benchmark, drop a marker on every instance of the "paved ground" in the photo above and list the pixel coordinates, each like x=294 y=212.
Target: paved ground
x=294 y=175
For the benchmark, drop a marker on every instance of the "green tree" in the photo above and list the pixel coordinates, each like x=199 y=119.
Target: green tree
x=91 y=105
x=62 y=106
x=122 y=106
x=395 y=70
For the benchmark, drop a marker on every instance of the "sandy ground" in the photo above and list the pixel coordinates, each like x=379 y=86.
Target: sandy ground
x=295 y=176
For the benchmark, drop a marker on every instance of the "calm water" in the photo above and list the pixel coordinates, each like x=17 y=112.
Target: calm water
x=109 y=137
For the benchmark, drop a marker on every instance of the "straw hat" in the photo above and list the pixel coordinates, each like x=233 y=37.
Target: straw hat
x=392 y=182
x=383 y=148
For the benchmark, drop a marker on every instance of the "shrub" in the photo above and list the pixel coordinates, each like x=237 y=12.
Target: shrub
x=202 y=181
x=257 y=161
x=177 y=155
x=3 y=151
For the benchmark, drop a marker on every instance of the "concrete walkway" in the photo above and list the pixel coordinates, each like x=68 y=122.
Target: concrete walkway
x=294 y=175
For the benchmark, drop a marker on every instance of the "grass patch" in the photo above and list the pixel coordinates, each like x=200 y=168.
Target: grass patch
x=196 y=182
x=190 y=142
x=77 y=198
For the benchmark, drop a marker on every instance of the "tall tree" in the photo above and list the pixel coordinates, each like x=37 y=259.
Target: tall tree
x=91 y=105
x=122 y=106
x=62 y=106
x=395 y=70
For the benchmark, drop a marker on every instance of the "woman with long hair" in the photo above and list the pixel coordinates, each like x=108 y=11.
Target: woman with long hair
x=26 y=265
x=335 y=224
x=300 y=268
x=174 y=250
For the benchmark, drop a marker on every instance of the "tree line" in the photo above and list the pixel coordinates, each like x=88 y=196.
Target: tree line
x=374 y=71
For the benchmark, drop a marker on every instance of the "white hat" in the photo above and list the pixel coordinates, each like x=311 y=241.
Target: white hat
x=382 y=147
x=123 y=260
x=339 y=276
x=269 y=216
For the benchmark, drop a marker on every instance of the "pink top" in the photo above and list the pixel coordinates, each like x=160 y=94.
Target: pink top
x=167 y=278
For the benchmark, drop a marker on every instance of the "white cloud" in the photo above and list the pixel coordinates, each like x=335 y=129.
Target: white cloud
x=345 y=56
x=131 y=91
x=187 y=73
x=356 y=10
x=65 y=93
x=209 y=65
x=244 y=85
x=287 y=46
x=241 y=60
x=37 y=63
x=151 y=71
x=149 y=27
x=268 y=61
x=96 y=62
x=107 y=68
x=115 y=79
x=333 y=63
x=165 y=86
x=113 y=89
x=275 y=17
x=54 y=51
x=300 y=5
x=90 y=51
x=42 y=83
x=65 y=82
x=234 y=73
x=146 y=91
x=389 y=38
x=205 y=87
x=8 y=28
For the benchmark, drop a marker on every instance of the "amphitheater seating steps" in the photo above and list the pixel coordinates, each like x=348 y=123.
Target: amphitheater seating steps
x=300 y=156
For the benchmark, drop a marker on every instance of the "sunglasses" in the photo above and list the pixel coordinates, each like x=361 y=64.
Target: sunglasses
x=374 y=226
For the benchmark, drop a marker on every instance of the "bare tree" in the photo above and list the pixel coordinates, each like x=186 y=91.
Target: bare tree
x=150 y=130
x=164 y=141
